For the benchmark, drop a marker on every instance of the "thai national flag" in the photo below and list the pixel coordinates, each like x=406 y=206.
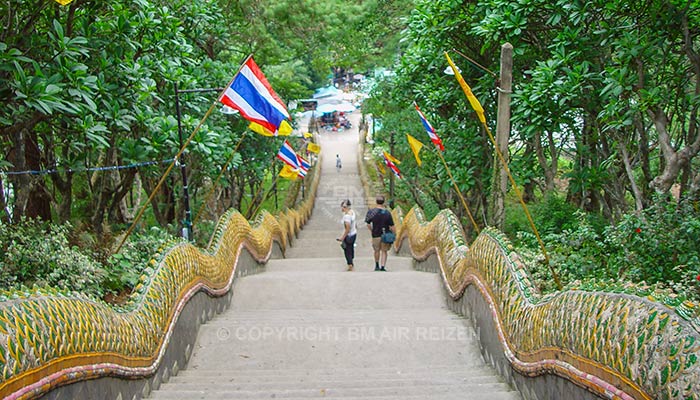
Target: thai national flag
x=390 y=162
x=288 y=155
x=303 y=166
x=429 y=128
x=251 y=94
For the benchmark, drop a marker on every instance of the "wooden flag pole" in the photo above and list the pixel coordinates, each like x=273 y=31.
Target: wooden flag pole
x=165 y=175
x=248 y=213
x=213 y=186
x=459 y=193
x=480 y=112
x=267 y=195
x=177 y=157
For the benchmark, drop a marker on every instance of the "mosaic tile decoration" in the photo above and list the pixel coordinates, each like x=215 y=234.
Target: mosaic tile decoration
x=617 y=345
x=50 y=338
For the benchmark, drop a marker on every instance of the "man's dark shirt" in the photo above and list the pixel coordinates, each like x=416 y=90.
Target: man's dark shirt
x=380 y=219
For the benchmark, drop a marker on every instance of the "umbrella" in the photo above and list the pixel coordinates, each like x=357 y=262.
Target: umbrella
x=345 y=107
x=326 y=108
x=326 y=91
x=305 y=114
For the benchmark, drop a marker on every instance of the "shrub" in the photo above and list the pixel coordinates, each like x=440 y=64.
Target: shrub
x=35 y=253
x=125 y=268
x=660 y=247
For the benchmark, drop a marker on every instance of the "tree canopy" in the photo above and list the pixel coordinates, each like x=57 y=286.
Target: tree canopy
x=89 y=86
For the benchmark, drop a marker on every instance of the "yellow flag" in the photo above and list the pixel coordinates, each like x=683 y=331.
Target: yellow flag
x=313 y=147
x=392 y=158
x=467 y=91
x=415 y=145
x=63 y=2
x=308 y=135
x=289 y=172
x=284 y=130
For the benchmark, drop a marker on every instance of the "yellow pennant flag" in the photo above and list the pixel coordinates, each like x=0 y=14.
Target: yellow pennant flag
x=63 y=2
x=289 y=172
x=467 y=91
x=308 y=135
x=313 y=147
x=284 y=130
x=415 y=145
x=392 y=158
x=380 y=167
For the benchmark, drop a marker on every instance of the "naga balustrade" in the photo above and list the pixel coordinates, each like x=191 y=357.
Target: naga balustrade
x=66 y=345
x=608 y=345
x=613 y=345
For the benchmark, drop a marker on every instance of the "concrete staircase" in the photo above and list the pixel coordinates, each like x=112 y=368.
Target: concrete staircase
x=306 y=328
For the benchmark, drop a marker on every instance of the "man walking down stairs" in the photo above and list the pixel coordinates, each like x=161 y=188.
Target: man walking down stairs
x=306 y=328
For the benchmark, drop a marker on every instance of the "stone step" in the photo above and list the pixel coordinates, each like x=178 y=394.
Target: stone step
x=422 y=315
x=340 y=382
x=439 y=396
x=336 y=264
x=341 y=290
x=475 y=391
x=476 y=369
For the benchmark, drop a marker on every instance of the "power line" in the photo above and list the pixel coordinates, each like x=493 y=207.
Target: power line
x=88 y=169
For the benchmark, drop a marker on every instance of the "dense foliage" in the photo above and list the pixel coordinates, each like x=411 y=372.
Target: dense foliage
x=604 y=137
x=603 y=145
x=87 y=96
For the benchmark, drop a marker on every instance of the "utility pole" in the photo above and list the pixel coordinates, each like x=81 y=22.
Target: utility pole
x=500 y=176
x=187 y=228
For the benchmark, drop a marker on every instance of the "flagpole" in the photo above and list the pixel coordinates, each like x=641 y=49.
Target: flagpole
x=480 y=112
x=175 y=160
x=223 y=169
x=248 y=214
x=274 y=182
x=459 y=193
x=165 y=174
x=267 y=195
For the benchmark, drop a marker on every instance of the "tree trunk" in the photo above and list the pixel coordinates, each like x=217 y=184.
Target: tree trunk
x=164 y=198
x=21 y=182
x=636 y=192
x=674 y=160
x=5 y=215
x=65 y=190
x=549 y=168
x=123 y=186
x=643 y=153
x=31 y=197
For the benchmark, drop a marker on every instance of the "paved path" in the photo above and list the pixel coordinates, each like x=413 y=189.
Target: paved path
x=306 y=328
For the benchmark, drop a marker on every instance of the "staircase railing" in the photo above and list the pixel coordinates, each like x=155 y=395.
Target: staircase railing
x=51 y=339
x=614 y=345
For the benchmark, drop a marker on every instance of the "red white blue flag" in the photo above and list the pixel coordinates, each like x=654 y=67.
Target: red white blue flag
x=251 y=94
x=303 y=166
x=429 y=128
x=391 y=162
x=288 y=155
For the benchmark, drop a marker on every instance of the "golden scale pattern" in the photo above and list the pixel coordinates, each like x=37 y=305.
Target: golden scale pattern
x=50 y=338
x=618 y=345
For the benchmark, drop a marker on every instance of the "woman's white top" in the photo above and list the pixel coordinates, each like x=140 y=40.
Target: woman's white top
x=349 y=218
